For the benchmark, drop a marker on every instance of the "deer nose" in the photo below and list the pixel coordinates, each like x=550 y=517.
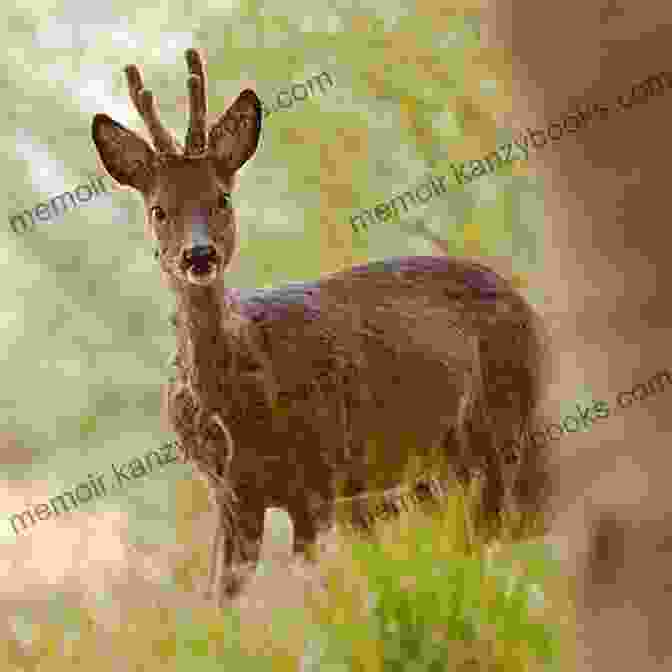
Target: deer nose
x=199 y=253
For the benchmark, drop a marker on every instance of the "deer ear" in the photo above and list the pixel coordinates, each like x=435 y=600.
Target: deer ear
x=235 y=136
x=125 y=155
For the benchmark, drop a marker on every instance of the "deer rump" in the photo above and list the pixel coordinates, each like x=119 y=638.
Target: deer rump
x=367 y=368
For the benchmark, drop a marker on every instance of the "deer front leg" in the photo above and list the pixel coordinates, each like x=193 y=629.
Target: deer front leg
x=236 y=543
x=356 y=486
x=215 y=567
x=222 y=550
x=313 y=511
x=219 y=455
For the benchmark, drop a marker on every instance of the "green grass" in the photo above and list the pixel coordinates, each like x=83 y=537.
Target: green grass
x=441 y=601
x=423 y=595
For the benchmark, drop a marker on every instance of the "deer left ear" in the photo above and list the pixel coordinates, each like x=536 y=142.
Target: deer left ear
x=235 y=136
x=125 y=155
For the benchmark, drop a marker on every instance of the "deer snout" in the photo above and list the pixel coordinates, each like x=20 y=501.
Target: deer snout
x=200 y=263
x=199 y=254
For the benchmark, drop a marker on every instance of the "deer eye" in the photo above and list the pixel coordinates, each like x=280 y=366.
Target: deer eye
x=158 y=213
x=224 y=201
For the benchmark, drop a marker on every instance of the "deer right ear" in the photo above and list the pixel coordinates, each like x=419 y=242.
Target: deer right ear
x=125 y=155
x=235 y=136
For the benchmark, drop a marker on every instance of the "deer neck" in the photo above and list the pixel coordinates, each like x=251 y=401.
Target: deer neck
x=208 y=340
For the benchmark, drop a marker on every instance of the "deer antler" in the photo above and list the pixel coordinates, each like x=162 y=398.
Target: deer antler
x=196 y=140
x=146 y=107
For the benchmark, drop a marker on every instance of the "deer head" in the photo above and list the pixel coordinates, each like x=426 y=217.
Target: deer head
x=187 y=192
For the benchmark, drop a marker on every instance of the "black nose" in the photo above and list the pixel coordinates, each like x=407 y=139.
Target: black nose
x=199 y=253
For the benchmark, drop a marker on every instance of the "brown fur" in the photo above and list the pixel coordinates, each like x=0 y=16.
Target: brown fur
x=293 y=411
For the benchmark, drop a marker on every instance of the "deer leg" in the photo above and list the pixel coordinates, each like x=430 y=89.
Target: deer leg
x=222 y=578
x=311 y=504
x=215 y=571
x=453 y=453
x=220 y=507
x=306 y=529
x=312 y=513
x=222 y=498
x=240 y=532
x=356 y=484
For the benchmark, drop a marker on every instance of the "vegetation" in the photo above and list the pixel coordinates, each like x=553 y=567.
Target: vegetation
x=424 y=595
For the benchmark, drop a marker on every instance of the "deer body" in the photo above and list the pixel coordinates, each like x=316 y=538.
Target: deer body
x=292 y=396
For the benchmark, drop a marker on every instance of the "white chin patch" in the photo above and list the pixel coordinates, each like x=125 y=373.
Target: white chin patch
x=202 y=278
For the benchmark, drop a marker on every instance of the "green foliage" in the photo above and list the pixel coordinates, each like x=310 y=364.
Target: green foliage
x=412 y=599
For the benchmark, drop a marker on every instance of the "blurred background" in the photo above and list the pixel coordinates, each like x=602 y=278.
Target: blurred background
x=85 y=337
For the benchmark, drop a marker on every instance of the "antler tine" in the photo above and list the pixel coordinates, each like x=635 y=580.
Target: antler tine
x=134 y=81
x=195 y=141
x=146 y=107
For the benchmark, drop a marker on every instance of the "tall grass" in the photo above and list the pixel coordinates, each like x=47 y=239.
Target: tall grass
x=422 y=594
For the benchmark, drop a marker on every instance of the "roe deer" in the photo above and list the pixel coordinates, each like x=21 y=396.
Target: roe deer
x=607 y=271
x=292 y=396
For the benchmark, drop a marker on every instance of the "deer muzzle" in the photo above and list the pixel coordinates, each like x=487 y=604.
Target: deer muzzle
x=200 y=261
